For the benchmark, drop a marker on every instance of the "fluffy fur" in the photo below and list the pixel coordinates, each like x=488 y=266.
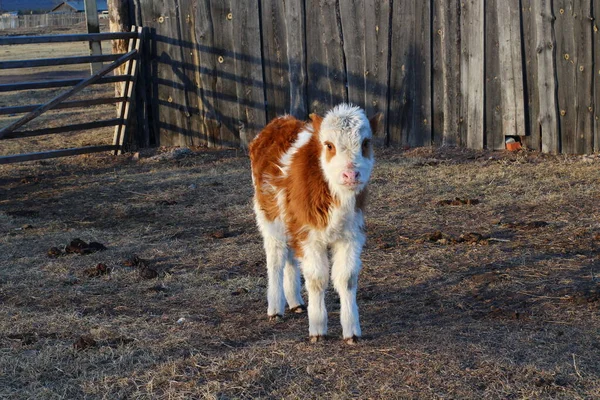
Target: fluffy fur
x=310 y=183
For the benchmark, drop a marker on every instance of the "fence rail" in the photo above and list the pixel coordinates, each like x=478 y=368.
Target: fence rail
x=457 y=72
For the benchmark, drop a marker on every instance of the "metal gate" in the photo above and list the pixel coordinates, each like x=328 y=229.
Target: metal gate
x=129 y=59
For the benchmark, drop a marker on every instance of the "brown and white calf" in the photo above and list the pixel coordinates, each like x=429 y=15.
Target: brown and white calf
x=310 y=183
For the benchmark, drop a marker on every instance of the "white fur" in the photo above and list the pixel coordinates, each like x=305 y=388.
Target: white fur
x=346 y=127
x=286 y=160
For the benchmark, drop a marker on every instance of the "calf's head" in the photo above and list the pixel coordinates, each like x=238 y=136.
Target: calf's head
x=345 y=135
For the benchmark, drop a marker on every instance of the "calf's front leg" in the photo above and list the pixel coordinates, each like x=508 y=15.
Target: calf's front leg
x=315 y=268
x=344 y=274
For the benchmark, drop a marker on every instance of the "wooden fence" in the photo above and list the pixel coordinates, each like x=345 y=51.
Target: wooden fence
x=40 y=20
x=456 y=72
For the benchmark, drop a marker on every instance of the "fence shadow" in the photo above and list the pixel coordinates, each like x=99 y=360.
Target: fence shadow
x=216 y=95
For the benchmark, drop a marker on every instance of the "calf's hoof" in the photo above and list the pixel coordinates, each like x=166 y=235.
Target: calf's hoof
x=316 y=338
x=351 y=340
x=276 y=318
x=301 y=309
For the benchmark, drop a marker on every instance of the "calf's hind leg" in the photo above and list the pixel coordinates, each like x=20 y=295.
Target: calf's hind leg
x=292 y=285
x=276 y=256
x=274 y=237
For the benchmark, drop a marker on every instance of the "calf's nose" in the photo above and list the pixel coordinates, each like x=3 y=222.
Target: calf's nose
x=350 y=176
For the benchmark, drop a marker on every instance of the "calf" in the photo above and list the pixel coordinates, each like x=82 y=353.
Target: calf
x=310 y=186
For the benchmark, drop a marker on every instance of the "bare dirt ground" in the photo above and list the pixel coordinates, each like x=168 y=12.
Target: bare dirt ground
x=53 y=119
x=494 y=295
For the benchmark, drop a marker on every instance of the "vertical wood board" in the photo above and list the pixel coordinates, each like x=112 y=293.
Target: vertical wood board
x=325 y=56
x=494 y=132
x=532 y=105
x=472 y=78
x=275 y=58
x=548 y=118
x=206 y=75
x=573 y=29
x=596 y=73
x=251 y=117
x=295 y=14
x=410 y=80
x=511 y=68
x=446 y=73
x=365 y=27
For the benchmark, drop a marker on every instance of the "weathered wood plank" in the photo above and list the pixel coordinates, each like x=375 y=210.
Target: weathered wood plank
x=54 y=154
x=81 y=37
x=532 y=106
x=143 y=107
x=548 y=118
x=295 y=14
x=11 y=87
x=472 y=74
x=446 y=74
x=596 y=73
x=48 y=62
x=124 y=108
x=410 y=81
x=119 y=21
x=275 y=57
x=325 y=56
x=511 y=71
x=63 y=129
x=251 y=117
x=573 y=30
x=226 y=84
x=206 y=74
x=284 y=60
x=365 y=28
x=494 y=132
x=171 y=92
x=121 y=18
x=187 y=73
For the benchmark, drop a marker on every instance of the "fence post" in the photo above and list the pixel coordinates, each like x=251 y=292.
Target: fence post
x=93 y=26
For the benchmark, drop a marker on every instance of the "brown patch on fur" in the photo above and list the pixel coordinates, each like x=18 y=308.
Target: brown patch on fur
x=329 y=151
x=316 y=121
x=265 y=152
x=308 y=198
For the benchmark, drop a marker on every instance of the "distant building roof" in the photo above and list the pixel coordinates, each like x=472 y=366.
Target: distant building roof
x=79 y=6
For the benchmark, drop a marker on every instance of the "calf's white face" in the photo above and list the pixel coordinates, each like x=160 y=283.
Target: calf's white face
x=347 y=153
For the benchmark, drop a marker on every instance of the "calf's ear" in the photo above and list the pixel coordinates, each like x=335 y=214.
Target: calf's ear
x=374 y=121
x=316 y=121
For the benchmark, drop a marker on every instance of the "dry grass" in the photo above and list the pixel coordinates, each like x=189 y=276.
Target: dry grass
x=512 y=317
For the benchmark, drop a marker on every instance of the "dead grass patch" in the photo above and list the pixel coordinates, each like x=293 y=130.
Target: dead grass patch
x=516 y=318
